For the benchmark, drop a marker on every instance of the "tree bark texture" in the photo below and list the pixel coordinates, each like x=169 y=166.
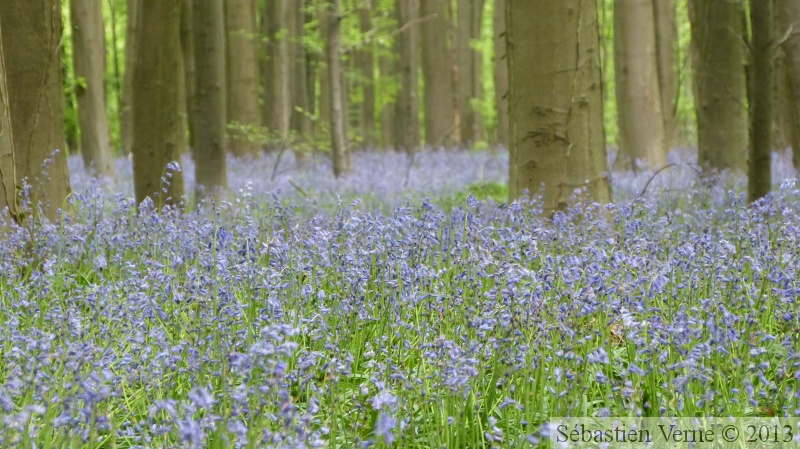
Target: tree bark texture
x=666 y=28
x=365 y=63
x=437 y=72
x=8 y=181
x=407 y=99
x=469 y=14
x=342 y=165
x=126 y=110
x=243 y=112
x=761 y=108
x=501 y=72
x=789 y=11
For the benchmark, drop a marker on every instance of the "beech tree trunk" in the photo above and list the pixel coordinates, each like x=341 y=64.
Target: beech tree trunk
x=31 y=34
x=639 y=113
x=789 y=11
x=187 y=97
x=243 y=112
x=8 y=181
x=556 y=115
x=666 y=28
x=407 y=100
x=437 y=71
x=365 y=64
x=720 y=92
x=342 y=165
x=157 y=125
x=469 y=14
x=126 y=110
x=209 y=46
x=388 y=68
x=88 y=55
x=501 y=72
x=761 y=108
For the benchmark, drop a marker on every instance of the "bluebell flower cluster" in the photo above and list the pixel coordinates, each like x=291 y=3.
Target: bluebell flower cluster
x=288 y=319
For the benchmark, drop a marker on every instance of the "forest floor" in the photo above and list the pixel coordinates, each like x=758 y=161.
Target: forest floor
x=408 y=306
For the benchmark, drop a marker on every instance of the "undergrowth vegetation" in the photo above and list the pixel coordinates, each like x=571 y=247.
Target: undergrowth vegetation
x=294 y=318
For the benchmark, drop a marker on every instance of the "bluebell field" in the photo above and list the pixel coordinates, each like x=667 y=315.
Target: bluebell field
x=395 y=309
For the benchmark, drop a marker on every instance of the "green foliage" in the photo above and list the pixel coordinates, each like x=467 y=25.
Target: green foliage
x=482 y=191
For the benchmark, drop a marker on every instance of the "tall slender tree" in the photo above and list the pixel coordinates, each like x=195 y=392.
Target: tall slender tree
x=407 y=99
x=187 y=95
x=157 y=128
x=88 y=54
x=789 y=13
x=31 y=34
x=761 y=108
x=666 y=27
x=126 y=110
x=281 y=107
x=342 y=165
x=469 y=17
x=719 y=80
x=556 y=115
x=501 y=71
x=299 y=102
x=8 y=182
x=639 y=114
x=243 y=112
x=437 y=72
x=365 y=63
x=209 y=47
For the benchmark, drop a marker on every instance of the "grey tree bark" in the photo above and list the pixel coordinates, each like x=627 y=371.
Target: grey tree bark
x=761 y=108
x=437 y=72
x=243 y=113
x=342 y=165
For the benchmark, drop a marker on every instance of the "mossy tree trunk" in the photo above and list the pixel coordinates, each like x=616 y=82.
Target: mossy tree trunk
x=8 y=181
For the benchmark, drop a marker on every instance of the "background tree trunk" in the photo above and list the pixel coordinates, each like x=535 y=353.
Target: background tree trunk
x=666 y=28
x=281 y=69
x=156 y=119
x=761 y=108
x=8 y=181
x=299 y=121
x=789 y=11
x=407 y=99
x=126 y=111
x=209 y=46
x=501 y=72
x=366 y=69
x=437 y=72
x=242 y=76
x=88 y=55
x=721 y=98
x=31 y=38
x=187 y=96
x=468 y=85
x=556 y=115
x=639 y=115
x=388 y=68
x=342 y=165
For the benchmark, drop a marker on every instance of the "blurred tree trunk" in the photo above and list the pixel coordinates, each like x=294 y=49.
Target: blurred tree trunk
x=209 y=54
x=388 y=67
x=299 y=122
x=126 y=111
x=281 y=70
x=639 y=114
x=407 y=100
x=8 y=181
x=501 y=72
x=88 y=55
x=557 y=137
x=468 y=84
x=666 y=29
x=322 y=70
x=437 y=72
x=157 y=125
x=761 y=108
x=720 y=92
x=365 y=64
x=789 y=12
x=242 y=76
x=187 y=97
x=342 y=165
x=31 y=38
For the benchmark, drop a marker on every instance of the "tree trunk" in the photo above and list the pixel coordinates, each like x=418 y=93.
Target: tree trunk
x=388 y=68
x=299 y=121
x=187 y=97
x=721 y=98
x=281 y=84
x=243 y=112
x=556 y=112
x=407 y=100
x=8 y=181
x=88 y=55
x=468 y=83
x=342 y=166
x=789 y=11
x=322 y=70
x=209 y=47
x=501 y=72
x=437 y=72
x=666 y=28
x=156 y=119
x=366 y=68
x=32 y=49
x=761 y=108
x=639 y=115
x=126 y=111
